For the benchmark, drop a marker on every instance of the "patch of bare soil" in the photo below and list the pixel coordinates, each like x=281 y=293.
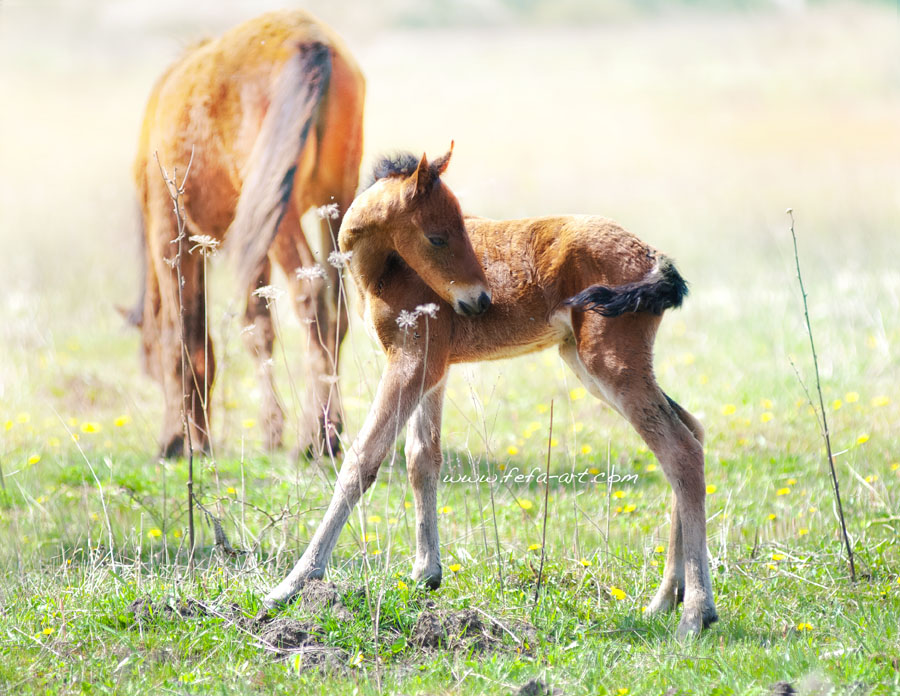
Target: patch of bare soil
x=468 y=629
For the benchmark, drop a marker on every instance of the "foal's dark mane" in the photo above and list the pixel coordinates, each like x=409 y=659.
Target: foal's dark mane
x=401 y=164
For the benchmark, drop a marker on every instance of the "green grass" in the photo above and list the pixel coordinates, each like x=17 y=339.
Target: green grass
x=696 y=133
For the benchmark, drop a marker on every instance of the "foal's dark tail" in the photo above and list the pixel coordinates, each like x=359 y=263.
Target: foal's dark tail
x=662 y=288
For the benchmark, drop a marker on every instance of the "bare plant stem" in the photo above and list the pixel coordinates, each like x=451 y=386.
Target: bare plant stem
x=825 y=433
x=546 y=503
x=176 y=193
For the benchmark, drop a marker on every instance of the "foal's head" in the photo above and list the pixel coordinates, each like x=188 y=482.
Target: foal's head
x=409 y=209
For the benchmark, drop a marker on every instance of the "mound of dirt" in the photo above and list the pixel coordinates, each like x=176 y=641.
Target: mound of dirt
x=319 y=595
x=144 y=609
x=469 y=629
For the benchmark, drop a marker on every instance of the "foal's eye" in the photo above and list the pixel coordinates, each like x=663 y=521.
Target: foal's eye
x=437 y=241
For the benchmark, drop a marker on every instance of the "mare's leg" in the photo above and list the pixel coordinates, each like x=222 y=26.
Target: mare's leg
x=317 y=311
x=616 y=355
x=404 y=382
x=423 y=466
x=259 y=337
x=198 y=356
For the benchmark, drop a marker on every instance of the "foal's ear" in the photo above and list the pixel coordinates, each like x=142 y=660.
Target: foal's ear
x=423 y=177
x=439 y=166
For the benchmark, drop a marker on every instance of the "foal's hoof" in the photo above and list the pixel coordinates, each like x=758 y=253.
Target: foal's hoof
x=431 y=579
x=320 y=445
x=693 y=622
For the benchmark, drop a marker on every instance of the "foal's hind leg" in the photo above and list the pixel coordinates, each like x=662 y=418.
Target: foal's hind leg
x=617 y=356
x=259 y=337
x=671 y=589
x=314 y=306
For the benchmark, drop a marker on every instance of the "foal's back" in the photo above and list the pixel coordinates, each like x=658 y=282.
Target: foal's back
x=533 y=265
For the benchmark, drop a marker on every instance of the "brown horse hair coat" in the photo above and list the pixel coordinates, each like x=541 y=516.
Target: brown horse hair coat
x=270 y=117
x=438 y=288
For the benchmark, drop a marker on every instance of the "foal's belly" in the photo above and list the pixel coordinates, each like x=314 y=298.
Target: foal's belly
x=500 y=334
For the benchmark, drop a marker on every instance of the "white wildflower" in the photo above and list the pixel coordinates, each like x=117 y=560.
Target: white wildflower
x=269 y=293
x=429 y=309
x=329 y=212
x=339 y=259
x=406 y=320
x=310 y=272
x=206 y=244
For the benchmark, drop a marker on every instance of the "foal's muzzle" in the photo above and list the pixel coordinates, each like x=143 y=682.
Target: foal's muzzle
x=479 y=306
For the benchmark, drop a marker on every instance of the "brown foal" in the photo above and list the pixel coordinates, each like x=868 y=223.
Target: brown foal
x=515 y=286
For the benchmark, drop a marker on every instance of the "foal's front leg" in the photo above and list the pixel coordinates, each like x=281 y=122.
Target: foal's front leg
x=423 y=466
x=398 y=394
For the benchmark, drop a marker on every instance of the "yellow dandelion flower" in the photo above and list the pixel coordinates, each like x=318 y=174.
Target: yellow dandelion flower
x=618 y=494
x=553 y=442
x=407 y=504
x=650 y=468
x=767 y=404
x=392 y=520
x=766 y=416
x=880 y=401
x=771 y=566
x=512 y=450
x=687 y=359
x=803 y=531
x=34 y=459
x=777 y=557
x=8 y=425
x=792 y=482
x=710 y=489
x=586 y=449
x=455 y=567
x=804 y=626
x=357 y=661
x=622 y=691
x=729 y=409
x=53 y=442
x=446 y=510
x=617 y=593
x=836 y=404
x=771 y=516
x=502 y=467
x=862 y=439
x=47 y=631
x=231 y=490
x=525 y=504
x=586 y=563
x=374 y=519
x=542 y=408
x=851 y=397
x=660 y=548
x=578 y=393
x=402 y=585
x=23 y=417
x=703 y=379
x=579 y=426
x=91 y=428
x=248 y=423
x=593 y=471
x=154 y=533
x=895 y=466
x=41 y=499
x=783 y=491
x=176 y=533
x=375 y=552
x=95 y=516
x=743 y=442
x=629 y=508
x=122 y=421
x=534 y=547
x=871 y=478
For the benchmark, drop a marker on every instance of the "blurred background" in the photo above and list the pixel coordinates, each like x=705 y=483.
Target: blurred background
x=695 y=124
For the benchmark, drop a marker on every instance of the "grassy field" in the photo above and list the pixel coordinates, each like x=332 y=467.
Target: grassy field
x=696 y=131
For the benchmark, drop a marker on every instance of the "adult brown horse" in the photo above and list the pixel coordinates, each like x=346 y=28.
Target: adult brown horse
x=270 y=117
x=581 y=283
